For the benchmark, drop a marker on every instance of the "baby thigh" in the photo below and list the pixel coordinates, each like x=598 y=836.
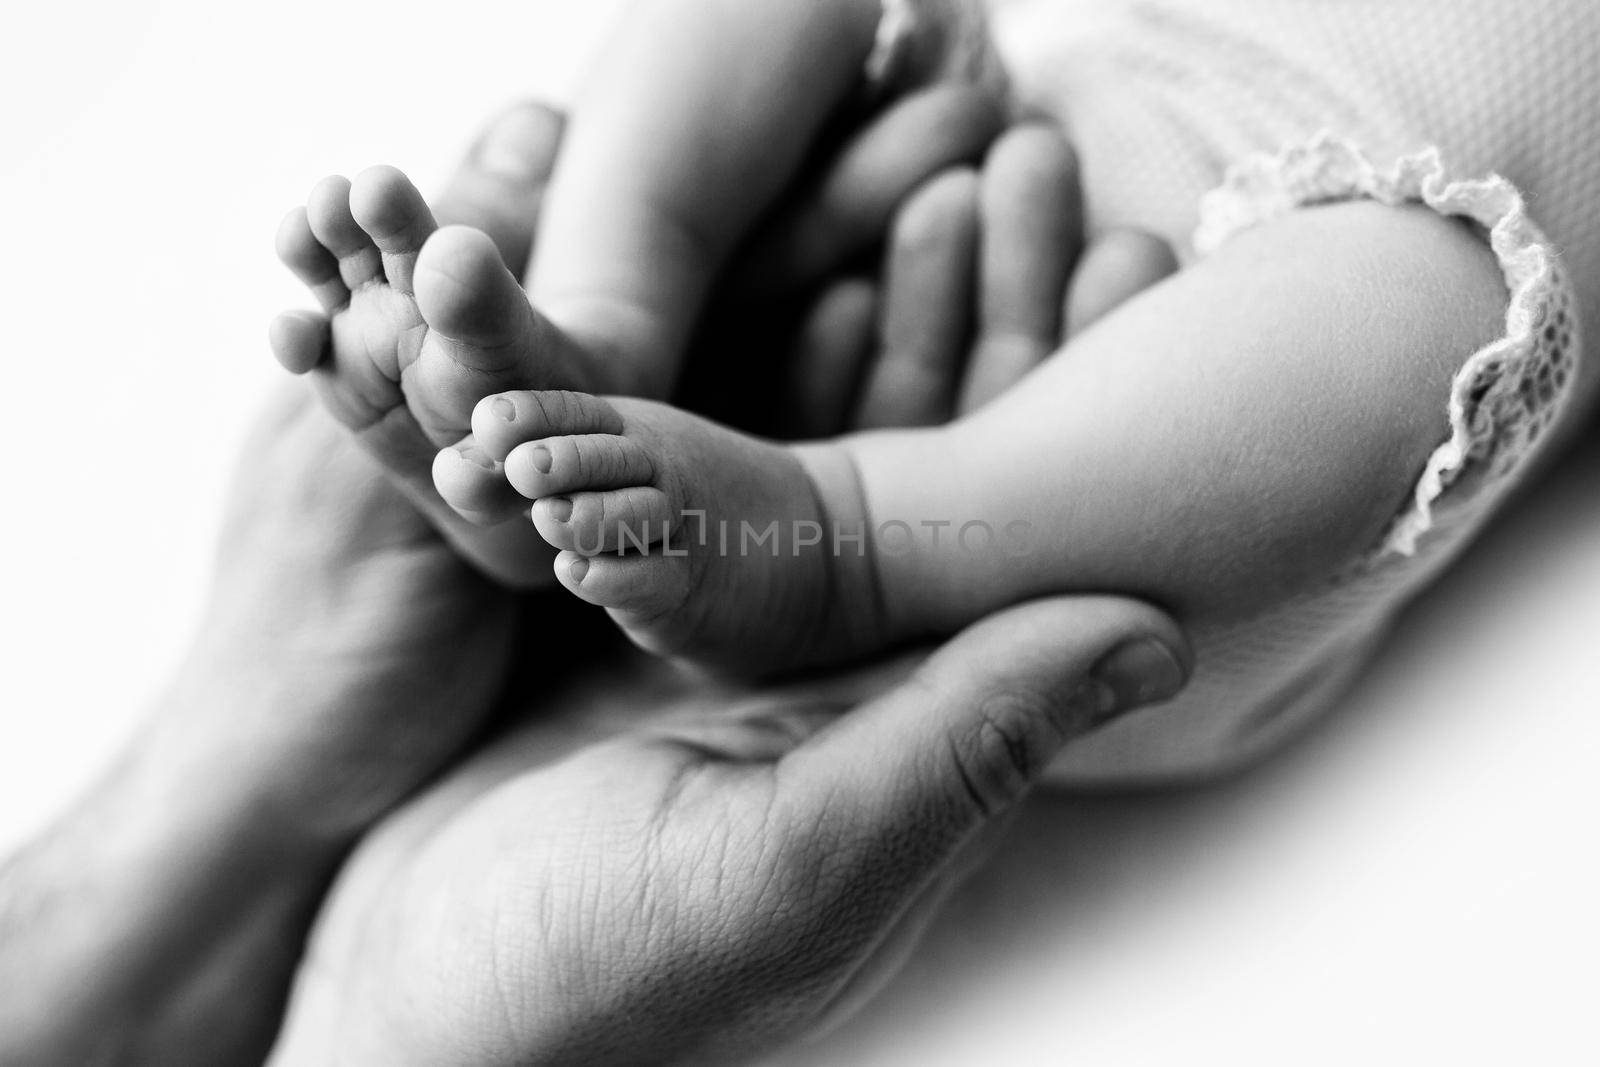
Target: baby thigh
x=1226 y=441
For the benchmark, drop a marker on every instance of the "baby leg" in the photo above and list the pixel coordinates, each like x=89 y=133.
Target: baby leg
x=1231 y=437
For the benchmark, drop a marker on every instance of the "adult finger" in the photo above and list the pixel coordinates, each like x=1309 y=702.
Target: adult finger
x=847 y=210
x=1114 y=268
x=1032 y=220
x=500 y=185
x=830 y=349
x=927 y=307
x=919 y=769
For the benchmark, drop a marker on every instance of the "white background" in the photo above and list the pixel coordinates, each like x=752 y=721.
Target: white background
x=1414 y=883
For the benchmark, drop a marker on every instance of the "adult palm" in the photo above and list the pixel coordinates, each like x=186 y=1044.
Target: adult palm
x=736 y=872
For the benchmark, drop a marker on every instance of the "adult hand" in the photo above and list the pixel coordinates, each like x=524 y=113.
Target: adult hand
x=987 y=271
x=712 y=884
x=790 y=314
x=345 y=656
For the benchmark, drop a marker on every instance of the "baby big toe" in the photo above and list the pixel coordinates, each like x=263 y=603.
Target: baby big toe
x=481 y=315
x=474 y=486
x=467 y=295
x=503 y=422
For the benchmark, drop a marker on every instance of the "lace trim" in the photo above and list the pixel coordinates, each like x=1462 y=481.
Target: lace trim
x=1507 y=393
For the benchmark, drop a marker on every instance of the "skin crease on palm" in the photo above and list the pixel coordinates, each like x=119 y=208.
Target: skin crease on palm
x=356 y=656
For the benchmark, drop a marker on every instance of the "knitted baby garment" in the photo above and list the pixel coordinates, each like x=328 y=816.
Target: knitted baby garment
x=1196 y=120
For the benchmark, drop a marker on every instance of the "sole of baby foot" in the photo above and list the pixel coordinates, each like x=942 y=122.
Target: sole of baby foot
x=702 y=543
x=417 y=324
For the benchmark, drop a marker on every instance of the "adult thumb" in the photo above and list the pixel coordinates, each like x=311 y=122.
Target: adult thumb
x=970 y=731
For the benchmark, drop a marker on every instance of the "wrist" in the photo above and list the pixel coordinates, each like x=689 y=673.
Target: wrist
x=157 y=921
x=219 y=762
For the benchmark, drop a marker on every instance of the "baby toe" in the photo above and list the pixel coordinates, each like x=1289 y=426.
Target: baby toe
x=638 y=588
x=504 y=421
x=298 y=340
x=389 y=208
x=618 y=520
x=558 y=465
x=309 y=260
x=473 y=485
x=328 y=213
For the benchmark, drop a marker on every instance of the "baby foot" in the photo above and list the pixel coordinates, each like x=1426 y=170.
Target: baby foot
x=701 y=542
x=420 y=323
